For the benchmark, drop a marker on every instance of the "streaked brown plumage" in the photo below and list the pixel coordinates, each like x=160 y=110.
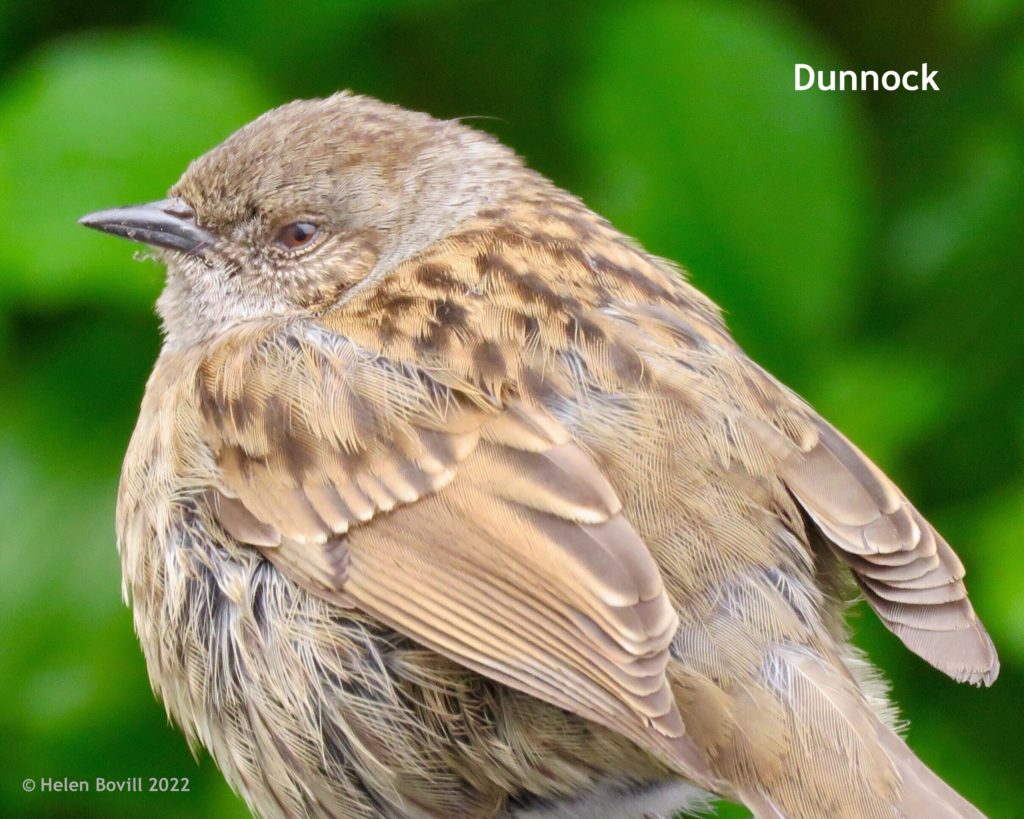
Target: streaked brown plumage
x=453 y=501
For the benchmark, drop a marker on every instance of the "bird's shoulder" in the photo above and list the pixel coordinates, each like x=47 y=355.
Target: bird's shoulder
x=523 y=291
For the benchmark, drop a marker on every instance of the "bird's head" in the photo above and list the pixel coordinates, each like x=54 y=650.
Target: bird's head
x=305 y=204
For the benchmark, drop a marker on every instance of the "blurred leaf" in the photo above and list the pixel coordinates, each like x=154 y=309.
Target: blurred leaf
x=95 y=122
x=298 y=38
x=998 y=582
x=75 y=381
x=882 y=398
x=963 y=204
x=980 y=18
x=4 y=28
x=703 y=150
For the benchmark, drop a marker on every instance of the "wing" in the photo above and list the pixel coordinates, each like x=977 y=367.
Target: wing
x=483 y=532
x=908 y=573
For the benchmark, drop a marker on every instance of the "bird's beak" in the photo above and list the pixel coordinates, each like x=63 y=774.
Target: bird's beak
x=169 y=223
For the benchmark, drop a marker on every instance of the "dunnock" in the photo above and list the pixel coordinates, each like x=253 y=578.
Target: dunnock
x=448 y=499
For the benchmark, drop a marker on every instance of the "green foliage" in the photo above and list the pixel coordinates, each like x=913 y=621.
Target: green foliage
x=866 y=247
x=698 y=144
x=102 y=119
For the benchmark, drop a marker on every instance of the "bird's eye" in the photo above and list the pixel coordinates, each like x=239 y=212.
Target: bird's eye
x=297 y=235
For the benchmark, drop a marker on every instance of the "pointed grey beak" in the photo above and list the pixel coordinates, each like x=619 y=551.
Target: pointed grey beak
x=169 y=223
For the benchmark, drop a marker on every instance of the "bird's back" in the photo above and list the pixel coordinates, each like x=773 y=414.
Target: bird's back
x=549 y=303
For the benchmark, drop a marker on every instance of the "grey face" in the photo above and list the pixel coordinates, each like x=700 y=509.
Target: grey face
x=305 y=204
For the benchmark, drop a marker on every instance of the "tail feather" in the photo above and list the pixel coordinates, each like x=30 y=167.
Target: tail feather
x=923 y=794
x=831 y=754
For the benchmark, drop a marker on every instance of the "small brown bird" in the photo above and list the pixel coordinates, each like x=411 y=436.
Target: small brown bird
x=448 y=499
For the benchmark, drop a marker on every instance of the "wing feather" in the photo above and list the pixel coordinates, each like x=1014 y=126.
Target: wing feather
x=483 y=532
x=909 y=575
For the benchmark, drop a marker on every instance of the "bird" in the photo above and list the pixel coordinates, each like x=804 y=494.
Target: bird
x=448 y=499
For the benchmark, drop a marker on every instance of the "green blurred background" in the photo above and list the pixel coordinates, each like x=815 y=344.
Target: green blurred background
x=867 y=247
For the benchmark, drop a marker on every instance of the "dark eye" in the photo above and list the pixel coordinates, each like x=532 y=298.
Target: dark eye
x=296 y=235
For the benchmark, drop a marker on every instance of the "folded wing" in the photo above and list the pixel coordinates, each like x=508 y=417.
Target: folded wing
x=483 y=532
x=908 y=573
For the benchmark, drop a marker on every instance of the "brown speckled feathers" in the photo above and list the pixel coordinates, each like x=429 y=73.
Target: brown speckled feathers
x=519 y=480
